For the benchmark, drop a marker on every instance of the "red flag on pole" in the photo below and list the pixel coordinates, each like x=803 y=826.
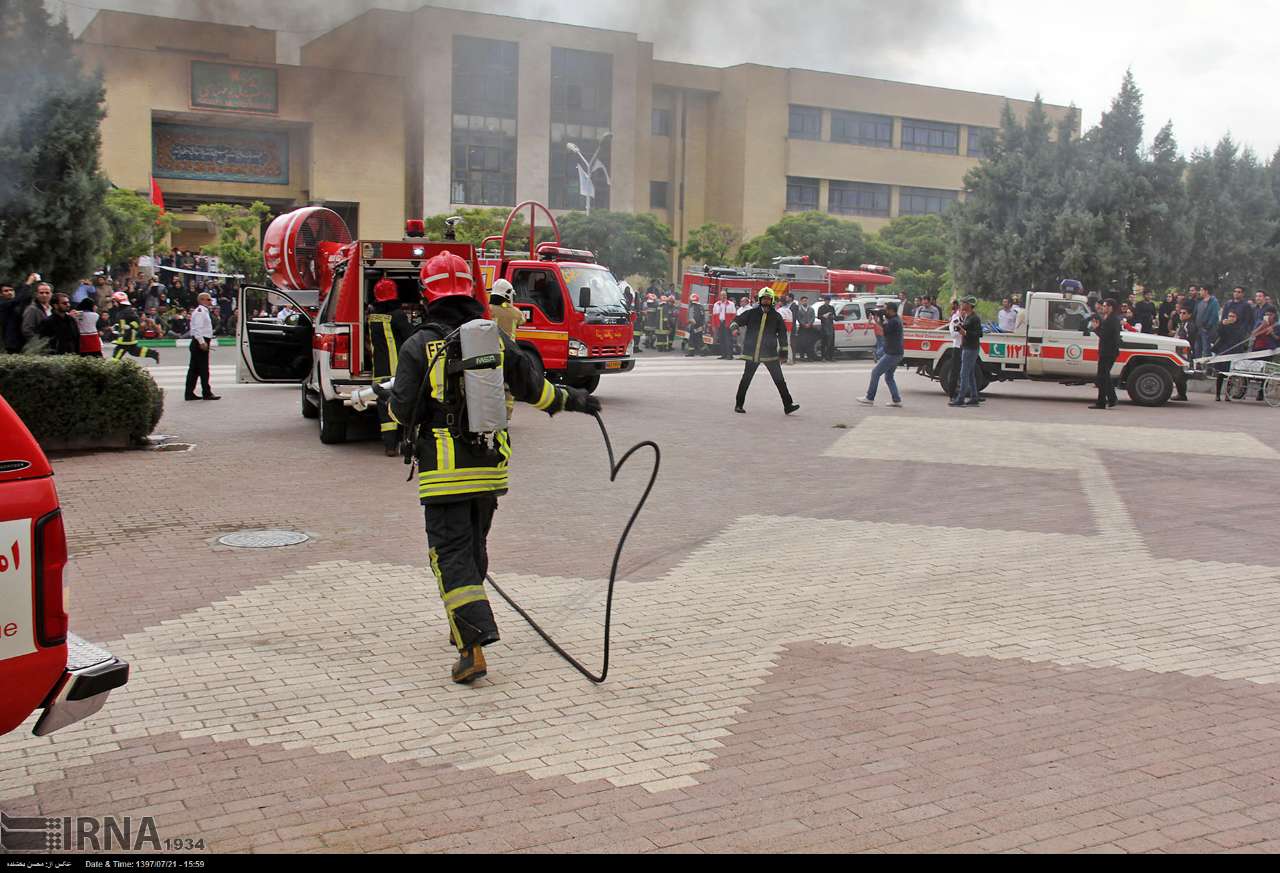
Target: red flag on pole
x=157 y=196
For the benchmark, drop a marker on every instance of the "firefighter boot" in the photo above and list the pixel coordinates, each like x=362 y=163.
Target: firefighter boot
x=153 y=355
x=470 y=666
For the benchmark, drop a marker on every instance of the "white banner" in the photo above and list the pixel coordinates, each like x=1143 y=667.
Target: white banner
x=202 y=273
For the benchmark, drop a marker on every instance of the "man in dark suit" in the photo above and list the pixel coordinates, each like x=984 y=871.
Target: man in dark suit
x=1107 y=326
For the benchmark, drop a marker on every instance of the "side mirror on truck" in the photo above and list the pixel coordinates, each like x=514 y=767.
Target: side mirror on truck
x=584 y=298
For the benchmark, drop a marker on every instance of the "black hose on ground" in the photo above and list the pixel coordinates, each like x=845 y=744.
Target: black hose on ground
x=614 y=467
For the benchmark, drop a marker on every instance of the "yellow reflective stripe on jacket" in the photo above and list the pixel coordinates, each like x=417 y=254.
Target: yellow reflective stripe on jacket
x=460 y=597
x=504 y=446
x=548 y=397
x=764 y=319
x=445 y=456
x=437 y=370
x=388 y=426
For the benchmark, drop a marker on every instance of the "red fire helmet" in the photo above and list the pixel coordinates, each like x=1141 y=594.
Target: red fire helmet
x=446 y=275
x=385 y=290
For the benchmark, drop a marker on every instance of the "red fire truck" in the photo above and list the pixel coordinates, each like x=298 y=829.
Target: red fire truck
x=576 y=318
x=575 y=323
x=800 y=278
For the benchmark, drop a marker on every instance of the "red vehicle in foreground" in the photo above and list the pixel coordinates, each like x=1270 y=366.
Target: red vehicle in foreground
x=42 y=666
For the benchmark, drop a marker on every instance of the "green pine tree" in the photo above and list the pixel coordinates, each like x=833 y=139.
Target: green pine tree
x=52 y=213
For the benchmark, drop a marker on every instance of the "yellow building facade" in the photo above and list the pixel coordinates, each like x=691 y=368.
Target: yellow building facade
x=398 y=114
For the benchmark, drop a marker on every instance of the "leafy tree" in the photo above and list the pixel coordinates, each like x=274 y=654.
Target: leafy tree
x=239 y=244
x=51 y=188
x=629 y=245
x=915 y=248
x=1168 y=238
x=825 y=239
x=135 y=226
x=711 y=243
x=480 y=223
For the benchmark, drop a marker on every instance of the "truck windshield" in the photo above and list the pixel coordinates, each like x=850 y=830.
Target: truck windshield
x=605 y=293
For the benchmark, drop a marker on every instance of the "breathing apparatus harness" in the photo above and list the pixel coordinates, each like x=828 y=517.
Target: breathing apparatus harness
x=459 y=417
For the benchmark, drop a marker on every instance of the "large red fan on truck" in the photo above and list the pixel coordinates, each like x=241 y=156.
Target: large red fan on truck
x=297 y=245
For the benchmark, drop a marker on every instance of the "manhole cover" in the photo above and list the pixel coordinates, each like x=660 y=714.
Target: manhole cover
x=263 y=539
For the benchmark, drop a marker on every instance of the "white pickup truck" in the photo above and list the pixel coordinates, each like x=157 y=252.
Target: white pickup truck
x=1052 y=343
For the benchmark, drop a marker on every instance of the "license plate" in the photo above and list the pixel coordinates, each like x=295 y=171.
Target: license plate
x=613 y=365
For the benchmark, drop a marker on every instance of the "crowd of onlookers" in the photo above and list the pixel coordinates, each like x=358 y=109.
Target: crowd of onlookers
x=162 y=302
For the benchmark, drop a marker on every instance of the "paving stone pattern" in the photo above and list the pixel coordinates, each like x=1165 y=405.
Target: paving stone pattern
x=919 y=632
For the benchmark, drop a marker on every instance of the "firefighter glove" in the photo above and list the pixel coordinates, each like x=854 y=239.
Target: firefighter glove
x=578 y=400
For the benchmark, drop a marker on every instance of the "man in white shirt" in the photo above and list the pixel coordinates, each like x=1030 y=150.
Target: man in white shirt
x=286 y=312
x=722 y=315
x=1007 y=316
x=201 y=342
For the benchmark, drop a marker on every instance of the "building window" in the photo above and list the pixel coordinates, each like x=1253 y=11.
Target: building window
x=930 y=136
x=860 y=129
x=661 y=122
x=659 y=195
x=581 y=114
x=483 y=168
x=802 y=194
x=925 y=201
x=858 y=198
x=980 y=141
x=805 y=123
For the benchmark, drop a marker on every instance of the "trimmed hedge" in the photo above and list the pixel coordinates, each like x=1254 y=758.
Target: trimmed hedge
x=72 y=402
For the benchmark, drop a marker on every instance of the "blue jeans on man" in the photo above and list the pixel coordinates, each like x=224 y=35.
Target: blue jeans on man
x=885 y=367
x=1204 y=344
x=967 y=387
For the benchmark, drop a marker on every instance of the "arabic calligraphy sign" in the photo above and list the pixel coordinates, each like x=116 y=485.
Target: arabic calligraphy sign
x=234 y=87
x=219 y=154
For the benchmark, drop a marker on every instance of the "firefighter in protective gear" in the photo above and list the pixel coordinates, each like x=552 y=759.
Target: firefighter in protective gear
x=665 y=324
x=651 y=314
x=461 y=474
x=129 y=331
x=697 y=325
x=389 y=327
x=503 y=311
x=764 y=342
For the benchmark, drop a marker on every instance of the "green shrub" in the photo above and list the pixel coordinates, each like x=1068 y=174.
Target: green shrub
x=67 y=399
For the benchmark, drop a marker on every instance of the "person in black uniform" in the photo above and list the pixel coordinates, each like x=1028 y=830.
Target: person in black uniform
x=697 y=325
x=827 y=329
x=764 y=342
x=1107 y=326
x=389 y=327
x=461 y=475
x=129 y=331
x=649 y=319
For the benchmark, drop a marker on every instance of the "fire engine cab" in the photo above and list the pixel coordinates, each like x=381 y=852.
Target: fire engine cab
x=854 y=294
x=1051 y=342
x=576 y=319
x=328 y=279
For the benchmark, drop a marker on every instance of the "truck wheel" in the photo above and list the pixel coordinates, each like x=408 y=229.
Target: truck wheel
x=1149 y=385
x=309 y=409
x=588 y=383
x=333 y=422
x=948 y=372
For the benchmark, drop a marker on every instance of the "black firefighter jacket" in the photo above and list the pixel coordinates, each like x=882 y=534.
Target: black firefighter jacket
x=765 y=336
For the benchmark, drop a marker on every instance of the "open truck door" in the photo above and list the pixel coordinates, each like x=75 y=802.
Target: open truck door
x=272 y=350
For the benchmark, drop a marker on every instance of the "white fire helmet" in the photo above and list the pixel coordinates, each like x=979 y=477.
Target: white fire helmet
x=502 y=288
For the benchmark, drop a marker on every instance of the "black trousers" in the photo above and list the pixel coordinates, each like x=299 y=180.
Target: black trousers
x=457 y=534
x=694 y=345
x=1106 y=385
x=775 y=370
x=828 y=344
x=726 y=341
x=387 y=426
x=198 y=368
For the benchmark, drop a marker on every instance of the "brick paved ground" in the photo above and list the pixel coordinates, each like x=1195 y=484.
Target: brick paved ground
x=1020 y=627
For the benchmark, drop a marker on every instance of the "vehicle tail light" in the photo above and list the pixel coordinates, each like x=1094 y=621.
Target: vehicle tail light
x=340 y=355
x=50 y=560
